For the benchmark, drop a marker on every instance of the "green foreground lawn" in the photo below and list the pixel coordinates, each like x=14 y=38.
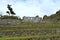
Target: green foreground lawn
x=26 y=37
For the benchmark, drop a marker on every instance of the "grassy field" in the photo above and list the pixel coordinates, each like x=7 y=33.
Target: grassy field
x=28 y=27
x=28 y=37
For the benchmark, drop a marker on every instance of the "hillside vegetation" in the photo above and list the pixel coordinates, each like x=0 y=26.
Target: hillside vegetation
x=55 y=16
x=31 y=31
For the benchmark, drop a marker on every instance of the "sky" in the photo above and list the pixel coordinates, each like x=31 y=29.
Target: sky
x=30 y=7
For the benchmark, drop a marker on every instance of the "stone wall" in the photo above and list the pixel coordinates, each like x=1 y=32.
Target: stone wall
x=32 y=19
x=9 y=21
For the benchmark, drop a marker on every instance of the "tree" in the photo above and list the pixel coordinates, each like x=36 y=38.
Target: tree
x=10 y=10
x=37 y=16
x=58 y=12
x=45 y=17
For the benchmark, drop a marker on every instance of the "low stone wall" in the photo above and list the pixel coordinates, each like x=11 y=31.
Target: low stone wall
x=9 y=21
x=29 y=32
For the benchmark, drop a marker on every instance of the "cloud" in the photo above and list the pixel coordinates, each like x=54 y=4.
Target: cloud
x=49 y=7
x=31 y=7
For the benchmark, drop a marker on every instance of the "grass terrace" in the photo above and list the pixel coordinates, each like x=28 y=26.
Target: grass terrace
x=30 y=31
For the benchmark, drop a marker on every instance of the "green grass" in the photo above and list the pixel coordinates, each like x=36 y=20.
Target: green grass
x=26 y=37
x=41 y=24
x=28 y=29
x=31 y=26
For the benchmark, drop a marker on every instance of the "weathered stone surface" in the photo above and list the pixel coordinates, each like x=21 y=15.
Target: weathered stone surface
x=32 y=19
x=9 y=21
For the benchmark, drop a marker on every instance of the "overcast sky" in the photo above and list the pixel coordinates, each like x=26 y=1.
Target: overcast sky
x=31 y=7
